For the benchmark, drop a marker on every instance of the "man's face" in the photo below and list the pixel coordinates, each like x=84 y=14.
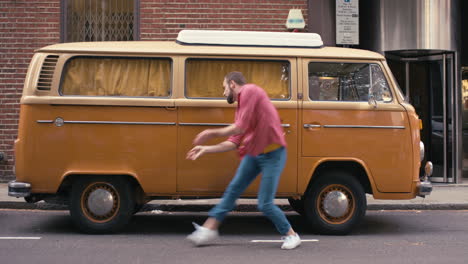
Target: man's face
x=228 y=92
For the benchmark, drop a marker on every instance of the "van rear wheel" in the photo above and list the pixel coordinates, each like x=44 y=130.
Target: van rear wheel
x=101 y=204
x=335 y=203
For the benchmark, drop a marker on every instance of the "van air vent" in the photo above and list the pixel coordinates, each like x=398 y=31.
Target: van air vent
x=47 y=73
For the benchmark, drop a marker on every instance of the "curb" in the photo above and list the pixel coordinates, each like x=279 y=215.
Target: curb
x=31 y=206
x=435 y=206
x=238 y=208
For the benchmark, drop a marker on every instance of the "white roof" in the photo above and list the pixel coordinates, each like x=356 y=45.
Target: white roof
x=249 y=38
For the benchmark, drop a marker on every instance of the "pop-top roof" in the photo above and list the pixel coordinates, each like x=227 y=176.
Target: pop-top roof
x=249 y=38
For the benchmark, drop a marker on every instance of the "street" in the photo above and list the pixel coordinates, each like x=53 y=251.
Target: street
x=36 y=236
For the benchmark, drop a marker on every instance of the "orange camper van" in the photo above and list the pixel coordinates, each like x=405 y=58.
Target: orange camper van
x=105 y=126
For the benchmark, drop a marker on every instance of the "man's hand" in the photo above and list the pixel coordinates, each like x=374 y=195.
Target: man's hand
x=204 y=136
x=196 y=152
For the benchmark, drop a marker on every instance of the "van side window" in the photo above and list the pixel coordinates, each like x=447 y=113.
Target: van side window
x=204 y=77
x=347 y=82
x=107 y=76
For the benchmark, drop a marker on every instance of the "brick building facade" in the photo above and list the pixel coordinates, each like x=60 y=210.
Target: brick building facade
x=28 y=25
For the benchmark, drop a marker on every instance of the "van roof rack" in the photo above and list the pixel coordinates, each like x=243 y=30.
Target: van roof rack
x=249 y=38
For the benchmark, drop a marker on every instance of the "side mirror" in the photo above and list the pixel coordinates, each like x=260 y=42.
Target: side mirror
x=372 y=101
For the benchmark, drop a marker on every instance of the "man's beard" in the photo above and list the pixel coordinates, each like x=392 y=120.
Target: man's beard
x=230 y=98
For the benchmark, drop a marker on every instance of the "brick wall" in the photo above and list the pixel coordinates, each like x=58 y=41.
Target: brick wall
x=25 y=25
x=162 y=20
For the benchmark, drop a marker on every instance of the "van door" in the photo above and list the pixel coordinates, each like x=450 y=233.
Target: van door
x=203 y=106
x=339 y=122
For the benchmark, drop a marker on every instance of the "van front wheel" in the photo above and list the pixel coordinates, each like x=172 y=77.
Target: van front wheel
x=101 y=204
x=335 y=203
x=297 y=205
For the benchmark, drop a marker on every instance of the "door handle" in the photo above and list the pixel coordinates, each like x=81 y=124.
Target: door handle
x=170 y=108
x=312 y=126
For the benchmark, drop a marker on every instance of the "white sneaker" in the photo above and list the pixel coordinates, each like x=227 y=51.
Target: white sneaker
x=291 y=241
x=202 y=235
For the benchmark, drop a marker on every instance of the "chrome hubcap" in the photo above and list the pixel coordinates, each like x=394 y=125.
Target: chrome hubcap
x=100 y=202
x=335 y=204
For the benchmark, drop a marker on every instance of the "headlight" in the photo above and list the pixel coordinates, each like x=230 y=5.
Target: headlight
x=421 y=150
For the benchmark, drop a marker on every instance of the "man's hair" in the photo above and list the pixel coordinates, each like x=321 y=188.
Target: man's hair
x=235 y=76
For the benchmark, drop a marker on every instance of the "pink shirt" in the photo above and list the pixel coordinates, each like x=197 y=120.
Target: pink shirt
x=259 y=119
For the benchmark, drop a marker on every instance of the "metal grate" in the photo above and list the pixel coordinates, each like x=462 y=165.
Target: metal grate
x=47 y=73
x=105 y=20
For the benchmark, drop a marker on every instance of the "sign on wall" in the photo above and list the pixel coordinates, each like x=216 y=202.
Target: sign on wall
x=347 y=22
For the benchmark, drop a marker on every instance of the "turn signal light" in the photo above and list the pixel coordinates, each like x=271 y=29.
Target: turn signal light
x=420 y=124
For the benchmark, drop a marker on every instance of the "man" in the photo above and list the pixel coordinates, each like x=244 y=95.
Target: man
x=258 y=135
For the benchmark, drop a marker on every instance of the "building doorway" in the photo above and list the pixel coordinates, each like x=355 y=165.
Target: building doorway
x=464 y=76
x=427 y=79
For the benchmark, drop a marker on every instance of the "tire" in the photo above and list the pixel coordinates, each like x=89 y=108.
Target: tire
x=101 y=204
x=138 y=207
x=335 y=203
x=297 y=205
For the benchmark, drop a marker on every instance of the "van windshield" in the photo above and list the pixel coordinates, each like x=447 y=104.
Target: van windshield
x=351 y=82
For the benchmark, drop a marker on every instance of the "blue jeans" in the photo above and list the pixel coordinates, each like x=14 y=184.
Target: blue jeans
x=270 y=165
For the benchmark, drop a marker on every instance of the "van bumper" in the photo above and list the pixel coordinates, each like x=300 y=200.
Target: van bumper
x=425 y=185
x=19 y=189
x=424 y=188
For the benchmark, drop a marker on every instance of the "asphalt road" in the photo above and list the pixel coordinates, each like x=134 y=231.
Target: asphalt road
x=159 y=237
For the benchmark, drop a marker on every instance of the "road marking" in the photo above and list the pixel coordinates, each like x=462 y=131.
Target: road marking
x=20 y=238
x=279 y=241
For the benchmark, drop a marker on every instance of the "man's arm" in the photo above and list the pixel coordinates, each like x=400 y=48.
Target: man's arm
x=228 y=131
x=219 y=132
x=197 y=151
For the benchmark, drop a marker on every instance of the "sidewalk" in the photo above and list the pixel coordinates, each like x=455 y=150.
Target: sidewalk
x=443 y=197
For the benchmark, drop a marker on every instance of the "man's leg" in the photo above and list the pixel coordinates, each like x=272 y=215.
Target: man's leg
x=246 y=173
x=272 y=165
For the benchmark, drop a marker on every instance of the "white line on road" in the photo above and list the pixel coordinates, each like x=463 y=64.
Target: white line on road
x=278 y=241
x=20 y=238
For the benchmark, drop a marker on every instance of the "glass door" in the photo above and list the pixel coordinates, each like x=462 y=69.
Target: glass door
x=465 y=122
x=428 y=83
